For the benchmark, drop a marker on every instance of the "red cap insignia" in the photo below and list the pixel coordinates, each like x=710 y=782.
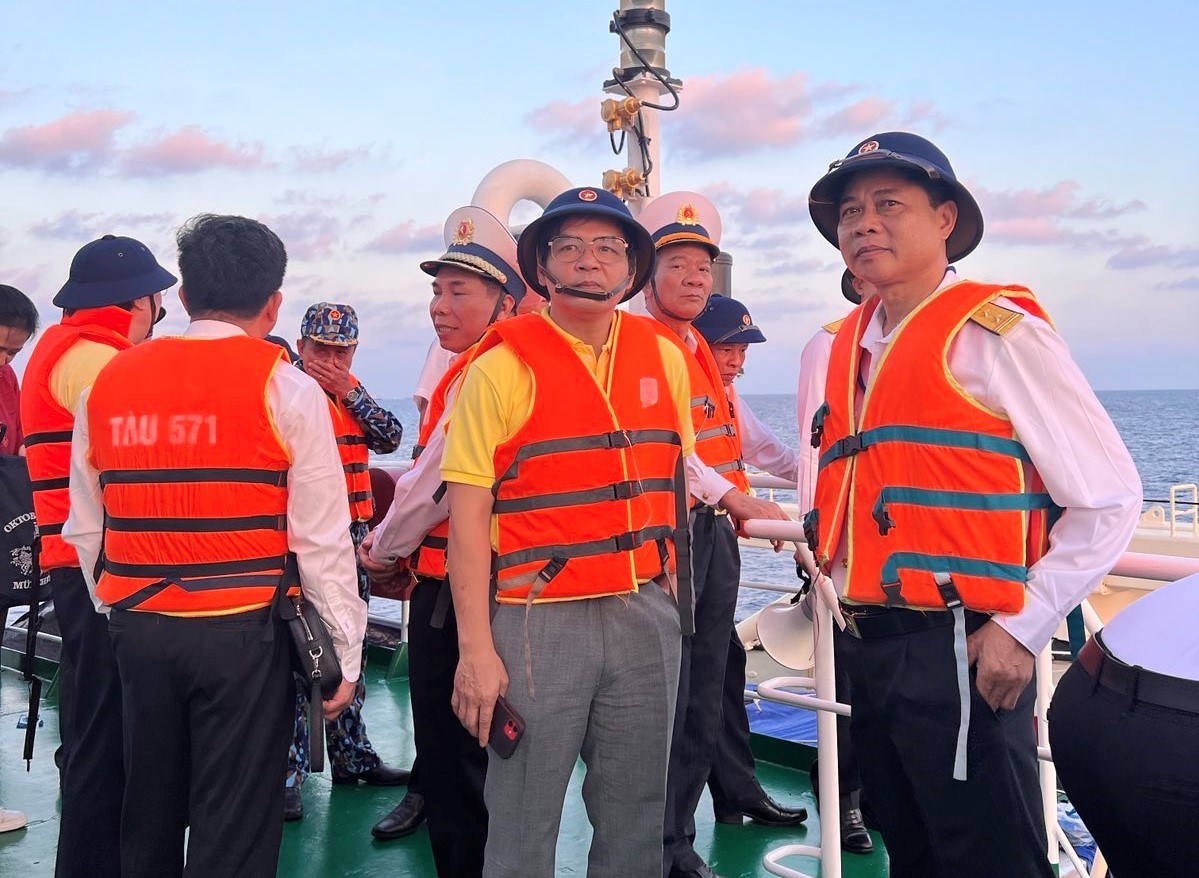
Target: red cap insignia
x=588 y=195
x=687 y=215
x=465 y=233
x=745 y=321
x=334 y=314
x=868 y=146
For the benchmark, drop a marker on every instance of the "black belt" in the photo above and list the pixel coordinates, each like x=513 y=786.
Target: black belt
x=1137 y=683
x=870 y=623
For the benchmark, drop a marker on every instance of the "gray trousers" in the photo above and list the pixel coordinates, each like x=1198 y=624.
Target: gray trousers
x=604 y=678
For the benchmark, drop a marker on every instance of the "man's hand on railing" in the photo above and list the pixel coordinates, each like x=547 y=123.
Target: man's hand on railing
x=746 y=506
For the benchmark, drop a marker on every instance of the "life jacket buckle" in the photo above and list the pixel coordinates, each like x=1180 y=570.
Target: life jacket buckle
x=883 y=518
x=811 y=529
x=894 y=596
x=627 y=542
x=949 y=591
x=627 y=490
x=847 y=447
x=818 y=424
x=619 y=439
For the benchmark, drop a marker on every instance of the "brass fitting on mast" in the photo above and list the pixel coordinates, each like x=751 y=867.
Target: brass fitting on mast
x=623 y=183
x=617 y=114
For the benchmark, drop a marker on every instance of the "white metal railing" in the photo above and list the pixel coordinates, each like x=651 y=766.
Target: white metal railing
x=1134 y=564
x=1191 y=502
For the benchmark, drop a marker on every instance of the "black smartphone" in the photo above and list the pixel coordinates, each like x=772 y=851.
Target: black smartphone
x=507 y=728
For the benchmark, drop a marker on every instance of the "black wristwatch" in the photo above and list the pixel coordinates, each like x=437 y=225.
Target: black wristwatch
x=354 y=395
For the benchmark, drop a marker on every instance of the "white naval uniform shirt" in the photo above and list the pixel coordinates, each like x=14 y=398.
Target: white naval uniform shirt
x=1029 y=376
x=317 y=531
x=760 y=447
x=413 y=511
x=1157 y=631
x=437 y=361
x=813 y=375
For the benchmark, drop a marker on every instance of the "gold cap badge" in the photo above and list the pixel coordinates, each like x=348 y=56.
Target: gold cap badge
x=868 y=146
x=687 y=215
x=465 y=233
x=588 y=195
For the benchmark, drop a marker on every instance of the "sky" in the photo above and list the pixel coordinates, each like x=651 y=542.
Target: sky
x=353 y=130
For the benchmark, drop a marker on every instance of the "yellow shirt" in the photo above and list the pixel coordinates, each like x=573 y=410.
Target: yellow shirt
x=76 y=371
x=496 y=398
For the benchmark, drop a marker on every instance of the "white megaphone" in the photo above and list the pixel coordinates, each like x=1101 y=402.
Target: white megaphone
x=788 y=633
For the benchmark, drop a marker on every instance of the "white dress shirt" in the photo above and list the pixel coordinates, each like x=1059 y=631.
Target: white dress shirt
x=1157 y=631
x=437 y=360
x=413 y=511
x=317 y=531
x=759 y=446
x=813 y=375
x=1029 y=376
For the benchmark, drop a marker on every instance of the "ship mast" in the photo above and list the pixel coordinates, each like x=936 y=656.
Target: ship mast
x=644 y=88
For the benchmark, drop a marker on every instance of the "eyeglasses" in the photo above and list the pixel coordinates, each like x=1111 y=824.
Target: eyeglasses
x=607 y=250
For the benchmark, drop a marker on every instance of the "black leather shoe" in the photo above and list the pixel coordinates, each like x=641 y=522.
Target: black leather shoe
x=403 y=819
x=855 y=838
x=379 y=776
x=700 y=871
x=768 y=812
x=293 y=805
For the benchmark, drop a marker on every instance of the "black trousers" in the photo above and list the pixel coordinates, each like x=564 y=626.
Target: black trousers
x=208 y=716
x=93 y=771
x=716 y=573
x=452 y=763
x=1132 y=771
x=904 y=727
x=733 y=780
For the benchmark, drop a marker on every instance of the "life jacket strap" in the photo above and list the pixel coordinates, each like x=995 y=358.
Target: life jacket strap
x=239 y=475
x=195 y=525
x=626 y=490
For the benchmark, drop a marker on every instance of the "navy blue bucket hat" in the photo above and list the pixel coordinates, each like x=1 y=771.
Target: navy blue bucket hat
x=727 y=321
x=897 y=149
x=112 y=271
x=595 y=203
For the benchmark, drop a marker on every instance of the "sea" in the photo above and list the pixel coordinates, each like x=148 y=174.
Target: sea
x=1160 y=428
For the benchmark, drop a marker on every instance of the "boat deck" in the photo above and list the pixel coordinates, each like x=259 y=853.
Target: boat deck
x=334 y=837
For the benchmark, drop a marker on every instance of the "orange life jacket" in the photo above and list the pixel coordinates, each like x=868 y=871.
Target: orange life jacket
x=585 y=502
x=48 y=424
x=717 y=442
x=429 y=558
x=355 y=458
x=925 y=480
x=194 y=476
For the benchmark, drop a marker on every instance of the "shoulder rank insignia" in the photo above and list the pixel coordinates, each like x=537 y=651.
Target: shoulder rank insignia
x=834 y=327
x=996 y=318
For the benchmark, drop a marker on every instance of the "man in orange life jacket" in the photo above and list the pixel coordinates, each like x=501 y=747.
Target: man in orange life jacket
x=327 y=344
x=813 y=367
x=475 y=284
x=563 y=461
x=972 y=490
x=729 y=330
x=201 y=474
x=686 y=232
x=111 y=302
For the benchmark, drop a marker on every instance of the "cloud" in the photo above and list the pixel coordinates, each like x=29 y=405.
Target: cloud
x=187 y=151
x=1060 y=200
x=407 y=237
x=744 y=112
x=757 y=208
x=75 y=143
x=1143 y=255
x=307 y=235
x=318 y=161
x=75 y=225
x=1186 y=284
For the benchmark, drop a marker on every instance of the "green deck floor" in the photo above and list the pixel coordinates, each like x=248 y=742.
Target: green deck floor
x=334 y=837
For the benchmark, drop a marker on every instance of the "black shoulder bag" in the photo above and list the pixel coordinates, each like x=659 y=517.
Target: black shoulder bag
x=21 y=580
x=313 y=657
